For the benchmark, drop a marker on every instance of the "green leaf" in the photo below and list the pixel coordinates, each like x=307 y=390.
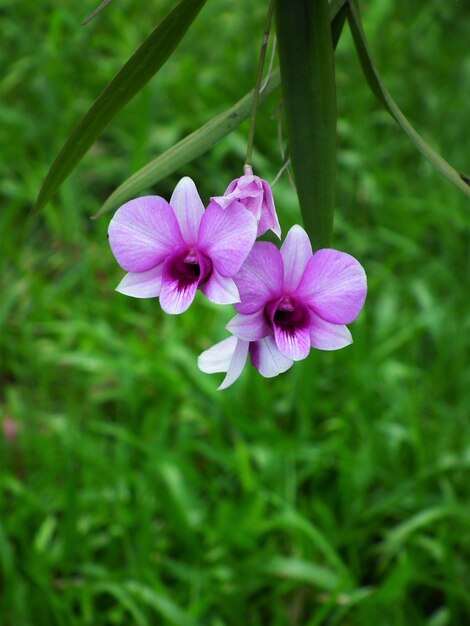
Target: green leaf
x=161 y=603
x=306 y=56
x=206 y=137
x=375 y=82
x=338 y=13
x=399 y=536
x=293 y=521
x=303 y=571
x=189 y=148
x=123 y=597
x=136 y=73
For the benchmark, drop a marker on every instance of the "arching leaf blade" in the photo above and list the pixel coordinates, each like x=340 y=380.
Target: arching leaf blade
x=189 y=148
x=204 y=138
x=133 y=76
x=338 y=14
x=377 y=86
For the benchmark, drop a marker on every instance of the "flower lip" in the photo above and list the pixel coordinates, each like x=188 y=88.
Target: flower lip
x=189 y=266
x=288 y=314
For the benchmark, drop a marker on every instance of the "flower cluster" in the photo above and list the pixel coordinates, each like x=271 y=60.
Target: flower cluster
x=288 y=301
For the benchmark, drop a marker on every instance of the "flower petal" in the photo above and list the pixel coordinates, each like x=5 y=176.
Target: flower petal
x=176 y=295
x=228 y=356
x=294 y=344
x=296 y=252
x=143 y=232
x=249 y=327
x=188 y=208
x=267 y=358
x=237 y=364
x=269 y=219
x=327 y=336
x=260 y=279
x=220 y=289
x=224 y=201
x=218 y=357
x=334 y=285
x=256 y=196
x=142 y=284
x=227 y=236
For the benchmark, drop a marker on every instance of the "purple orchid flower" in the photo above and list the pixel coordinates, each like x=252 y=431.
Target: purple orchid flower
x=291 y=301
x=171 y=249
x=255 y=194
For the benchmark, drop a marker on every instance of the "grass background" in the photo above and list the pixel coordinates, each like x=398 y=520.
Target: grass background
x=133 y=493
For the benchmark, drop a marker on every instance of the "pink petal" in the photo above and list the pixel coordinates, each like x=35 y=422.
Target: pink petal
x=249 y=327
x=267 y=359
x=256 y=196
x=220 y=289
x=296 y=252
x=224 y=201
x=269 y=219
x=176 y=296
x=253 y=202
x=245 y=189
x=327 y=336
x=188 y=209
x=143 y=232
x=248 y=186
x=227 y=237
x=142 y=284
x=260 y=280
x=334 y=285
x=294 y=344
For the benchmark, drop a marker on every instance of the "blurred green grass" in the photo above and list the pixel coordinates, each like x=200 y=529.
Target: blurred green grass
x=136 y=494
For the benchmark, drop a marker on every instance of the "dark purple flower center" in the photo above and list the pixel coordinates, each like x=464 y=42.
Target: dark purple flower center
x=189 y=267
x=290 y=315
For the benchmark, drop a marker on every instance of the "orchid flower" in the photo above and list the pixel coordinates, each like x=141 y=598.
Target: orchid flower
x=171 y=249
x=255 y=194
x=291 y=301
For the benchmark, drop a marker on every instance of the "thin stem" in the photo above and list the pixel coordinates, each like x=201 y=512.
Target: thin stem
x=102 y=6
x=259 y=77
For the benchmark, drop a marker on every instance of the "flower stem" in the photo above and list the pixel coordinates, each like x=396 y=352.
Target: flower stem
x=259 y=77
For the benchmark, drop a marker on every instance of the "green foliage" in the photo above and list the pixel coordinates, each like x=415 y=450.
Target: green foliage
x=189 y=148
x=377 y=86
x=131 y=79
x=207 y=136
x=307 y=64
x=134 y=493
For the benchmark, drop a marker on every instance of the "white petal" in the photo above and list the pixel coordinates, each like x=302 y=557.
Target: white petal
x=142 y=284
x=217 y=358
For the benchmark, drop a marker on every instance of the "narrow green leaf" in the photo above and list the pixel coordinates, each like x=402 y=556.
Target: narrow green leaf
x=375 y=82
x=308 y=83
x=292 y=521
x=203 y=139
x=188 y=148
x=399 y=535
x=123 y=597
x=303 y=571
x=338 y=13
x=138 y=70
x=161 y=603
